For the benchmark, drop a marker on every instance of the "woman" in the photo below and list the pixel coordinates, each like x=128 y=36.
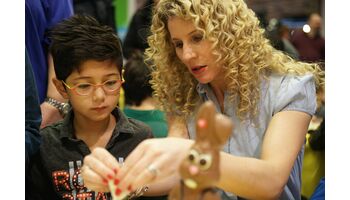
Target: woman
x=215 y=50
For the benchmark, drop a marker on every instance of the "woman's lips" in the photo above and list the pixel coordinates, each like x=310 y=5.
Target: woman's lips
x=198 y=69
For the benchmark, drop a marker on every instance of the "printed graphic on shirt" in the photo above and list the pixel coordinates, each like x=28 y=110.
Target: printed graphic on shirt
x=69 y=184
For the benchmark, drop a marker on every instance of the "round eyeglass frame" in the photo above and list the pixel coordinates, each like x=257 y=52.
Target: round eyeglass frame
x=95 y=86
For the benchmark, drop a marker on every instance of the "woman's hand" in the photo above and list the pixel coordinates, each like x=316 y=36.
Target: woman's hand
x=151 y=161
x=99 y=167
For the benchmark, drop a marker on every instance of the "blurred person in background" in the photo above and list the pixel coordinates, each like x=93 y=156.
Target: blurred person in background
x=314 y=156
x=102 y=10
x=140 y=104
x=32 y=112
x=40 y=16
x=32 y=117
x=139 y=29
x=309 y=42
x=279 y=36
x=288 y=47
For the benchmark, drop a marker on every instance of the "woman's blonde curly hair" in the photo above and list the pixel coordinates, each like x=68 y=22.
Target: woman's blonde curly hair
x=238 y=42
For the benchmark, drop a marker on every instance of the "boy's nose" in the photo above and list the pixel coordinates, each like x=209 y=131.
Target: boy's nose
x=99 y=94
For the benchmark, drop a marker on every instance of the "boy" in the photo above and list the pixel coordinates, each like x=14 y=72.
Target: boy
x=88 y=63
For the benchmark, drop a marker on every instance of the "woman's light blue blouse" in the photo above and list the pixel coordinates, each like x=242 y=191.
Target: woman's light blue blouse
x=278 y=93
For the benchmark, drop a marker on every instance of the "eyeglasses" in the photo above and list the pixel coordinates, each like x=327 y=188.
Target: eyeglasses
x=85 y=89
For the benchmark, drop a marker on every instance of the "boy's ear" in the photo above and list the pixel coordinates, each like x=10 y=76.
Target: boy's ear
x=60 y=88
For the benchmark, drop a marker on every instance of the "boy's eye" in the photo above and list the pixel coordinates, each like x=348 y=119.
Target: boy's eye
x=110 y=83
x=84 y=86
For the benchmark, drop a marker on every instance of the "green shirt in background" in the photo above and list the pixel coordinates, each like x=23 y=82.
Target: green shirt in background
x=154 y=118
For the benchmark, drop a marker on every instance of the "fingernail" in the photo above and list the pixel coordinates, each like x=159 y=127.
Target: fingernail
x=129 y=188
x=105 y=181
x=115 y=171
x=118 y=191
x=116 y=181
x=109 y=176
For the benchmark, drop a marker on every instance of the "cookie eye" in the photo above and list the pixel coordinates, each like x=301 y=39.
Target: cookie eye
x=205 y=161
x=193 y=156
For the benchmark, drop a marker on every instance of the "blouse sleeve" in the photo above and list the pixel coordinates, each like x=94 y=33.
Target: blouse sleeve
x=297 y=93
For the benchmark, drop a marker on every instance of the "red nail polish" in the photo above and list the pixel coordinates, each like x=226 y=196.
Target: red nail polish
x=115 y=171
x=116 y=181
x=109 y=176
x=129 y=188
x=104 y=181
x=118 y=191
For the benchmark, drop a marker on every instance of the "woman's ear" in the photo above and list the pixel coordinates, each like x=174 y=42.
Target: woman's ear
x=60 y=88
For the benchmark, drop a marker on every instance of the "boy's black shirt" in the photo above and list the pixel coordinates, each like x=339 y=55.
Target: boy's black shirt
x=54 y=171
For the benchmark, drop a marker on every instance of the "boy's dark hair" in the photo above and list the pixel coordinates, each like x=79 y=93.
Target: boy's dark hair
x=137 y=76
x=81 y=38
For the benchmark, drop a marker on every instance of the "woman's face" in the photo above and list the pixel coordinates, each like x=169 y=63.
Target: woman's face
x=194 y=51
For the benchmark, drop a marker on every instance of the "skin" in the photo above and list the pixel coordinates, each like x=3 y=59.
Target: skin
x=93 y=121
x=268 y=175
x=196 y=52
x=315 y=22
x=49 y=113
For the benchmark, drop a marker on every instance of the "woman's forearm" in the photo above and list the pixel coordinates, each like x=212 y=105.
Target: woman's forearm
x=250 y=177
x=162 y=187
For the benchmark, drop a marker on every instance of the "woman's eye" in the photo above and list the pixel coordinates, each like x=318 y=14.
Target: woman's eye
x=197 y=38
x=178 y=44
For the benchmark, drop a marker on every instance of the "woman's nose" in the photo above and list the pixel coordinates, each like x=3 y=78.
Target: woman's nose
x=188 y=52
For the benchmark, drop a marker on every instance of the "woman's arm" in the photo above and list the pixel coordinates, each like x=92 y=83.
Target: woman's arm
x=265 y=178
x=251 y=178
x=163 y=186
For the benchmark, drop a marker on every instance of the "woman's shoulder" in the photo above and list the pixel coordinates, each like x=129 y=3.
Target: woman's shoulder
x=284 y=80
x=291 y=92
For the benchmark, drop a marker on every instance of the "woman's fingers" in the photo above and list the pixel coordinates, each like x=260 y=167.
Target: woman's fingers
x=138 y=169
x=99 y=167
x=133 y=158
x=152 y=160
x=93 y=181
x=153 y=172
x=108 y=160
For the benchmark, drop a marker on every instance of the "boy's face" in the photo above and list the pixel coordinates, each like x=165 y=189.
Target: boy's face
x=97 y=105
